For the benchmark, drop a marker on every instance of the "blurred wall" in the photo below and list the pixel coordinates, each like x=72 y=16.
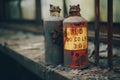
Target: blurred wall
x=87 y=9
x=14 y=10
x=1 y=10
x=28 y=9
x=116 y=10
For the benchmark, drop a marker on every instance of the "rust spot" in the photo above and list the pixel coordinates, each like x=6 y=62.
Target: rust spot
x=57 y=36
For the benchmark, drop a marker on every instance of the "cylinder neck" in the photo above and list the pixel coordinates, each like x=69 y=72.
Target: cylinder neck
x=74 y=10
x=74 y=14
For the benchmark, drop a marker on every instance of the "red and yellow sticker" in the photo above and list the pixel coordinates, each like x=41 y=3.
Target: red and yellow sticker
x=75 y=38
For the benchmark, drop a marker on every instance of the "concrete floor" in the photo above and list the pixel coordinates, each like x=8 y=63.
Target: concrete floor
x=30 y=54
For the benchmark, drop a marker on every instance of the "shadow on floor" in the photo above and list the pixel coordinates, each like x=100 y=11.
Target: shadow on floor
x=11 y=70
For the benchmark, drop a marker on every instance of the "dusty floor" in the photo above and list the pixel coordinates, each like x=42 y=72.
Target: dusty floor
x=32 y=46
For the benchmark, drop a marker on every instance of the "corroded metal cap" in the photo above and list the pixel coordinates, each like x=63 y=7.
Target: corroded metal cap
x=74 y=8
x=54 y=8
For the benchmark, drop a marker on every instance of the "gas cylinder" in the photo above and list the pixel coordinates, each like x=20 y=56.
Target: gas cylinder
x=53 y=37
x=75 y=36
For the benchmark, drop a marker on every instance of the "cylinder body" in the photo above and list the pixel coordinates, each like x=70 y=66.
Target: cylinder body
x=75 y=33
x=53 y=40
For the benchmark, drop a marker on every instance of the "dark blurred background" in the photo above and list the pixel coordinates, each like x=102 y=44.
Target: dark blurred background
x=21 y=13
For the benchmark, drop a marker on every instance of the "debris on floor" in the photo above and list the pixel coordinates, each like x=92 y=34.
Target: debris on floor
x=32 y=46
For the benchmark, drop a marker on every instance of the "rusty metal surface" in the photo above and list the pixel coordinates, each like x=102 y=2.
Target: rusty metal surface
x=75 y=34
x=97 y=29
x=110 y=33
x=53 y=42
x=65 y=9
x=76 y=55
x=53 y=37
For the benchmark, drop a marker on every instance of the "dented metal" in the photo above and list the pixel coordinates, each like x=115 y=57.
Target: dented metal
x=53 y=37
x=75 y=32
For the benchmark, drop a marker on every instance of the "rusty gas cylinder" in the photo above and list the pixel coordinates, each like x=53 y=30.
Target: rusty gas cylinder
x=75 y=34
x=53 y=37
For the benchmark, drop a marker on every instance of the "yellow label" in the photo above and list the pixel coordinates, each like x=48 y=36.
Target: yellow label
x=75 y=38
